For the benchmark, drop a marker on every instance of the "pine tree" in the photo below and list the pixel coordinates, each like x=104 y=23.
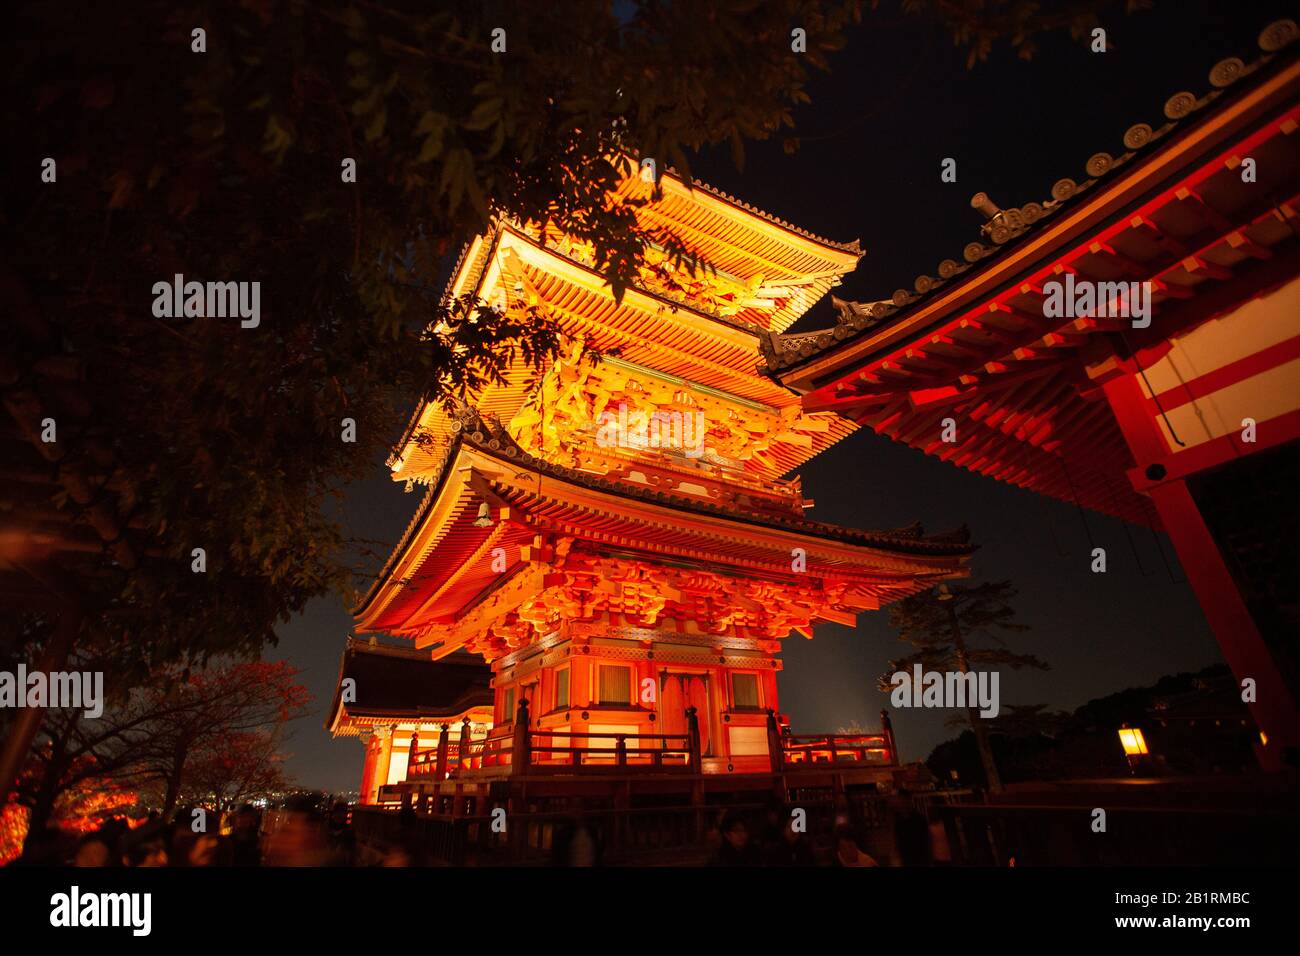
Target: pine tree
x=941 y=622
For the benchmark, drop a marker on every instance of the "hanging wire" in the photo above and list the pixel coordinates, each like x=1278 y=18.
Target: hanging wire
x=1051 y=525
x=1087 y=529
x=1155 y=536
x=1154 y=397
x=1124 y=524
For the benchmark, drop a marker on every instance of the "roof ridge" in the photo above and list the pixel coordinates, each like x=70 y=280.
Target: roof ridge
x=853 y=246
x=1003 y=225
x=489 y=435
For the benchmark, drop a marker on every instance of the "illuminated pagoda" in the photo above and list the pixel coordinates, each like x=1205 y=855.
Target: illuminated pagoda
x=616 y=537
x=1187 y=419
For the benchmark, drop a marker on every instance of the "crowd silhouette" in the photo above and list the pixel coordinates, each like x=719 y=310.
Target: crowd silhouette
x=310 y=832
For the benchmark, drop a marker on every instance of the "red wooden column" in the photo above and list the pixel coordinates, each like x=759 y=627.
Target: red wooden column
x=383 y=758
x=444 y=743
x=368 y=770
x=1275 y=709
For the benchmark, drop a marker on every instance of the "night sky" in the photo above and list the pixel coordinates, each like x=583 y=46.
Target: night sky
x=898 y=101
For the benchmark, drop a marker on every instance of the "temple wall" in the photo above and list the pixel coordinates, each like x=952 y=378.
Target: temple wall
x=631 y=687
x=1243 y=364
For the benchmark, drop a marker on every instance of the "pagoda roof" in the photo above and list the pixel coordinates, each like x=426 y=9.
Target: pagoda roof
x=398 y=684
x=741 y=240
x=676 y=179
x=669 y=339
x=1011 y=229
x=532 y=496
x=976 y=342
x=731 y=237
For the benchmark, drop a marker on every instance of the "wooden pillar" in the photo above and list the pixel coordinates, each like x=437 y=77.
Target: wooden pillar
x=693 y=730
x=776 y=756
x=697 y=784
x=775 y=750
x=519 y=755
x=887 y=730
x=368 y=768
x=462 y=759
x=383 y=758
x=1275 y=710
x=444 y=736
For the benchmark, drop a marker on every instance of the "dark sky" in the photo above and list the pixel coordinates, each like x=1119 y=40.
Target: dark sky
x=898 y=101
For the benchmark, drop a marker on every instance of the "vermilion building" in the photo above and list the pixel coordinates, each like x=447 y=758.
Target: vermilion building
x=1186 y=420
x=616 y=540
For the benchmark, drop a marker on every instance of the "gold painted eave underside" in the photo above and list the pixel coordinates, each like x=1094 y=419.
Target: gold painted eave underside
x=568 y=551
x=754 y=421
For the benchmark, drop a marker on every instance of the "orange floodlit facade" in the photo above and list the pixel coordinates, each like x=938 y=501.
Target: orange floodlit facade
x=619 y=539
x=1185 y=419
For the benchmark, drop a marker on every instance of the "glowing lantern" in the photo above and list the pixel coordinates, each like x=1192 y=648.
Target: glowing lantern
x=1135 y=745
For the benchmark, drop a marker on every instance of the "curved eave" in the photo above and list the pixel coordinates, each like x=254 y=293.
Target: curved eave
x=600 y=509
x=643 y=328
x=1145 y=173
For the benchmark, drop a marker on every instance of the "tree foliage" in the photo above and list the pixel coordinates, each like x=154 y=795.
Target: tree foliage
x=978 y=25
x=168 y=741
x=227 y=165
x=982 y=610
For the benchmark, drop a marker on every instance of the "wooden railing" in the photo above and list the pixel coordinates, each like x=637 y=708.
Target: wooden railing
x=522 y=749
x=491 y=752
x=550 y=749
x=836 y=749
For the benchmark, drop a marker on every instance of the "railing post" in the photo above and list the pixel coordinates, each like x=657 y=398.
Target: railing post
x=620 y=750
x=519 y=757
x=775 y=751
x=776 y=756
x=463 y=757
x=887 y=729
x=444 y=736
x=693 y=729
x=413 y=753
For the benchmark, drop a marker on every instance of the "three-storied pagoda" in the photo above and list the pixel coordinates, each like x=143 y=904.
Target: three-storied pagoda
x=616 y=538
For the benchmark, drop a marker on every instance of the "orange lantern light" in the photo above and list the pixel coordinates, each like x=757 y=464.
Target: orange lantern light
x=1135 y=745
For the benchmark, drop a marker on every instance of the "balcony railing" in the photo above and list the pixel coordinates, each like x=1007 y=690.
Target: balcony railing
x=520 y=749
x=557 y=751
x=836 y=749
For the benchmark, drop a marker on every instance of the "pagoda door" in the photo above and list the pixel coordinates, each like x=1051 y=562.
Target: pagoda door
x=679 y=692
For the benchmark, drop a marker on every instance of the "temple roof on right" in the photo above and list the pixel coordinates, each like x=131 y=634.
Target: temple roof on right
x=1007 y=230
x=1195 y=217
